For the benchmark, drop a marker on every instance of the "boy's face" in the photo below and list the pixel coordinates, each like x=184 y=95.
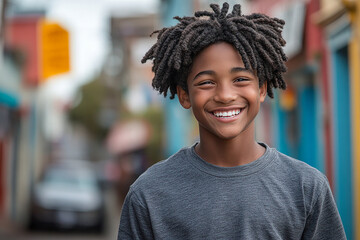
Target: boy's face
x=224 y=96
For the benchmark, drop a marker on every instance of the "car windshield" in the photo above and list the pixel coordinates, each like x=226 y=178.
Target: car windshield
x=70 y=179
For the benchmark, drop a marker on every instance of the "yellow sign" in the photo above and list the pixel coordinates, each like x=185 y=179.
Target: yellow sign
x=288 y=99
x=54 y=49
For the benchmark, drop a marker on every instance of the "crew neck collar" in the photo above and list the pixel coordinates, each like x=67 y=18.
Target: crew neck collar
x=241 y=170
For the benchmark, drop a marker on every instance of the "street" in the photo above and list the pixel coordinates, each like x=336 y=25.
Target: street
x=11 y=232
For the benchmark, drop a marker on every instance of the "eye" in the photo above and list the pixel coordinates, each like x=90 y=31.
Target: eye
x=241 y=79
x=206 y=82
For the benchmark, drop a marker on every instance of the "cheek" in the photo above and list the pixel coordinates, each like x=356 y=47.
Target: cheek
x=253 y=95
x=198 y=97
x=197 y=101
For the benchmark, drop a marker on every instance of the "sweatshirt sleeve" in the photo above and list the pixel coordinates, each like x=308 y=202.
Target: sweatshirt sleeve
x=323 y=221
x=135 y=221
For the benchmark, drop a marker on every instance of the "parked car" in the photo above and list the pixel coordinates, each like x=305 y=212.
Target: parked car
x=68 y=196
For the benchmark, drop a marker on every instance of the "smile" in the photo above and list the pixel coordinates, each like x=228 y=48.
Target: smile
x=227 y=114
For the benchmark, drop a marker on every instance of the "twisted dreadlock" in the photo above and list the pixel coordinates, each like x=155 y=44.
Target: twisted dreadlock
x=256 y=37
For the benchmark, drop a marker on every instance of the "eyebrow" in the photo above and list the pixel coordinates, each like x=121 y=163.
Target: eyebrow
x=233 y=70
x=206 y=72
x=241 y=69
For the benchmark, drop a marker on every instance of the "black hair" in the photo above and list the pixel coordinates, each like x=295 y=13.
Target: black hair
x=256 y=37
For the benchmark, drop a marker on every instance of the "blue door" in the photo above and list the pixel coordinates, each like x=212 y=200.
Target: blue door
x=342 y=137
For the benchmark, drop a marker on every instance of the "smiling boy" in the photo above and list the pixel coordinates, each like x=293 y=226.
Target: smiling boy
x=227 y=185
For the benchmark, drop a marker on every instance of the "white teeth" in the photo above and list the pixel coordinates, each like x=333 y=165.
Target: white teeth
x=227 y=114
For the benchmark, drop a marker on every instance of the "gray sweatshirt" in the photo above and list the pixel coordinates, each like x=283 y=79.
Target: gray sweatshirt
x=274 y=197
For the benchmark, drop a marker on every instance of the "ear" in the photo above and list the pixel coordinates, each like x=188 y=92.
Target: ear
x=183 y=97
x=263 y=91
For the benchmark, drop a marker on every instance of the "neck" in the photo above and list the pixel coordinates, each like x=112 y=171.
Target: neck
x=230 y=152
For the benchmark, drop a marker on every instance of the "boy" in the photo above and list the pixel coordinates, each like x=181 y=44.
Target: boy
x=226 y=186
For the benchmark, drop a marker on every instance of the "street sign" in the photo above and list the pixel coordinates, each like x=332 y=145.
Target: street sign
x=54 y=49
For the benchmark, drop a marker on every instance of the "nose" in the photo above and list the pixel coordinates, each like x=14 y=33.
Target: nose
x=224 y=94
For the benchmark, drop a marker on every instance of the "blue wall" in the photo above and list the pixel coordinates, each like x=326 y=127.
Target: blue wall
x=308 y=134
x=297 y=131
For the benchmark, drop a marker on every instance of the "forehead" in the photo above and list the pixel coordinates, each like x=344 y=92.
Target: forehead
x=218 y=54
x=217 y=57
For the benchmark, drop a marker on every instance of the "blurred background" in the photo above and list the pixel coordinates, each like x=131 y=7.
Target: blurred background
x=79 y=120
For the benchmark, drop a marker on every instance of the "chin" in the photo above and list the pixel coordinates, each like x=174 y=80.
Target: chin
x=227 y=136
x=232 y=133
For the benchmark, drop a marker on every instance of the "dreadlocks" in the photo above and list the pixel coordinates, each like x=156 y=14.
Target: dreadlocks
x=256 y=37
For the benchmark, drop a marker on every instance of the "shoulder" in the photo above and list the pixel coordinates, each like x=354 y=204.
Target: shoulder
x=301 y=178
x=298 y=169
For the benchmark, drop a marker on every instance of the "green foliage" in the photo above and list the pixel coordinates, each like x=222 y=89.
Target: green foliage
x=87 y=111
x=155 y=117
x=154 y=149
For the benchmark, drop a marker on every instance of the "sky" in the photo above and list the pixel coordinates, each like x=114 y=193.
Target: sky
x=88 y=24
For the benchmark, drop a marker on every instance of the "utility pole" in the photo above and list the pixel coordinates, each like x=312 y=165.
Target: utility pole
x=176 y=118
